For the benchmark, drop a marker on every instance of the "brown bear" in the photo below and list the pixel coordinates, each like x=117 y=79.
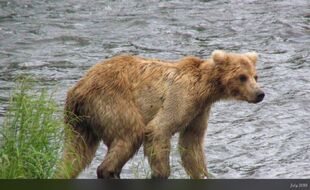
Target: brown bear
x=129 y=100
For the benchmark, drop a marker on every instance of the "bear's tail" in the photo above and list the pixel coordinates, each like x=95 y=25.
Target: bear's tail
x=79 y=149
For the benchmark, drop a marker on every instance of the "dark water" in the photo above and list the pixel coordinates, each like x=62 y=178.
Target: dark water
x=58 y=41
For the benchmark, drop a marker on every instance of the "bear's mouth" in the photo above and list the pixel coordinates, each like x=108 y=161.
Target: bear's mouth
x=255 y=101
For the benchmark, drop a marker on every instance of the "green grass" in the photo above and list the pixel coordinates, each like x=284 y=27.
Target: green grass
x=31 y=134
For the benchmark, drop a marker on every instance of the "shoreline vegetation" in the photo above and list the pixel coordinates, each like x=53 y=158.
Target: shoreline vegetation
x=31 y=136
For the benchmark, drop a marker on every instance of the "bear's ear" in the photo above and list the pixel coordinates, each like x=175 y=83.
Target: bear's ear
x=219 y=56
x=253 y=56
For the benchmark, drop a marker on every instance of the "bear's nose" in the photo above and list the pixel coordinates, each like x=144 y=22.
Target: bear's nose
x=260 y=95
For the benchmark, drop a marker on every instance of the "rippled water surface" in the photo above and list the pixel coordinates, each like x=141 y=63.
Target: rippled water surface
x=57 y=41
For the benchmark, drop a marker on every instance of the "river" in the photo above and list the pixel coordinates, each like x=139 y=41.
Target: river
x=57 y=41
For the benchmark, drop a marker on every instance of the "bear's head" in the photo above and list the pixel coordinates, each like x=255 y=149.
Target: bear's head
x=237 y=75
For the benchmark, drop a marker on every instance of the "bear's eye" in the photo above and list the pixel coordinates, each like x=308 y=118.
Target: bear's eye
x=243 y=78
x=255 y=77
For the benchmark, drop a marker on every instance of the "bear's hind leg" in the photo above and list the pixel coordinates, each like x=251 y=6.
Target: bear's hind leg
x=126 y=139
x=120 y=151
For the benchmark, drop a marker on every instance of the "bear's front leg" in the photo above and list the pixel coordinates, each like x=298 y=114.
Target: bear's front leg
x=191 y=146
x=174 y=115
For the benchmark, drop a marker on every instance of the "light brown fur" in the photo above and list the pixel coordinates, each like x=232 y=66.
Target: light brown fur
x=128 y=100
